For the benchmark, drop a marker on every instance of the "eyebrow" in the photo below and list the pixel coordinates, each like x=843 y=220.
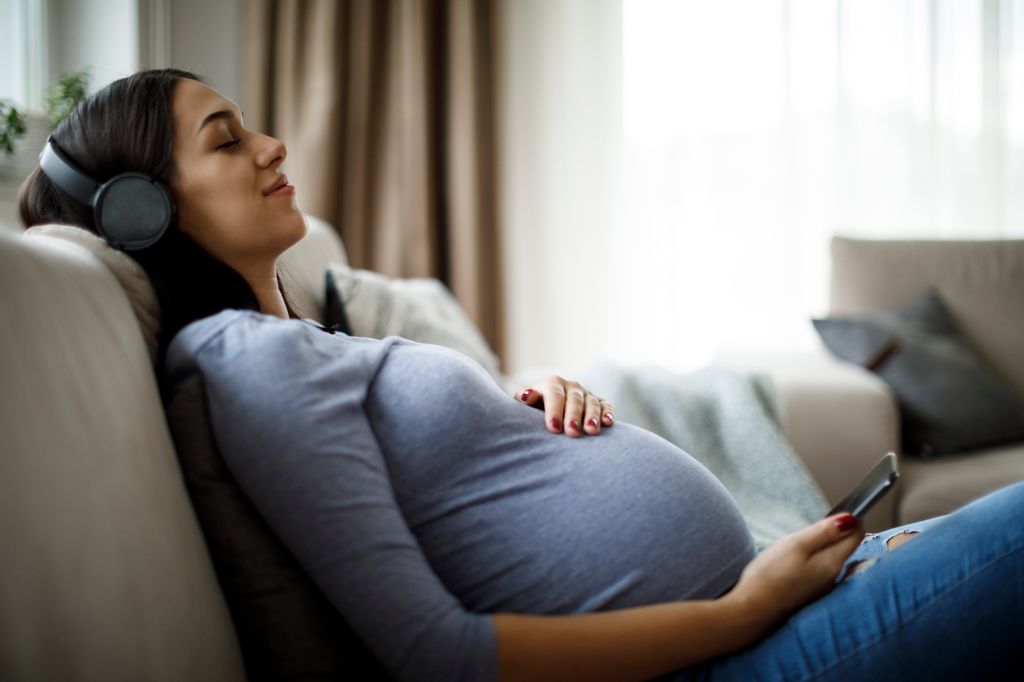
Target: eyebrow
x=223 y=113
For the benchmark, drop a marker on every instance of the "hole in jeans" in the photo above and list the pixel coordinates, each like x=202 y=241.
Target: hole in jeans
x=864 y=564
x=860 y=565
x=898 y=539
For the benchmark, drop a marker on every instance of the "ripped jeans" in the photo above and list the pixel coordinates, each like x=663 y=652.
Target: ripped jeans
x=875 y=545
x=948 y=604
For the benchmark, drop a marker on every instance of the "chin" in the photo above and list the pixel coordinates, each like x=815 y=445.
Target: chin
x=293 y=229
x=300 y=226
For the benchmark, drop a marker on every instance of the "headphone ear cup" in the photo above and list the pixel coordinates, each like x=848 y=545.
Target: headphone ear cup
x=132 y=211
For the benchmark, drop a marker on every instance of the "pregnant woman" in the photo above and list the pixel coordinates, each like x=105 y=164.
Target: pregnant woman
x=466 y=535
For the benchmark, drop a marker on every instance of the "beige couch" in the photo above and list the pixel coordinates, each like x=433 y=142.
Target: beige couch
x=841 y=418
x=105 y=574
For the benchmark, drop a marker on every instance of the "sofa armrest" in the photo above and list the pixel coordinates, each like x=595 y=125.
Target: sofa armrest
x=839 y=418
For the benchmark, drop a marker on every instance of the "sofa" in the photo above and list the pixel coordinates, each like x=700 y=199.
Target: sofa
x=106 y=574
x=840 y=418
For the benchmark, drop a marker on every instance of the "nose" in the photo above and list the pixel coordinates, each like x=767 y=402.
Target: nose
x=271 y=152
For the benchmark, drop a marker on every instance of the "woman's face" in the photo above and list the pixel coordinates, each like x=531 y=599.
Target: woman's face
x=230 y=196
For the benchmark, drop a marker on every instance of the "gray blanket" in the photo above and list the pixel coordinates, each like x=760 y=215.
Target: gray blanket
x=725 y=419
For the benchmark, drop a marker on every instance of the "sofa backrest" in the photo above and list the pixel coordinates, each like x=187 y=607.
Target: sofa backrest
x=302 y=266
x=105 y=573
x=982 y=282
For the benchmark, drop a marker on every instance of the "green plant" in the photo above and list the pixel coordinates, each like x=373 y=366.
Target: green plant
x=66 y=92
x=12 y=125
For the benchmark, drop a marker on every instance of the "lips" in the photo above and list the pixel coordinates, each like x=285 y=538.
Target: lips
x=279 y=182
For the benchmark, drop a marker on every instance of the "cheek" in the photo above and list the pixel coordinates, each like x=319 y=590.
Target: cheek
x=214 y=218
x=234 y=226
x=228 y=218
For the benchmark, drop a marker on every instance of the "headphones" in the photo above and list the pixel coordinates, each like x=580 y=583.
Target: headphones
x=131 y=210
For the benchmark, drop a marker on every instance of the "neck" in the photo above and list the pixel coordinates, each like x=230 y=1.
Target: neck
x=268 y=295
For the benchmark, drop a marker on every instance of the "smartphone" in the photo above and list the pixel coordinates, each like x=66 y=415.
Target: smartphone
x=877 y=483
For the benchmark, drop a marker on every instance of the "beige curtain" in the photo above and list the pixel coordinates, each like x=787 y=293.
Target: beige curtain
x=387 y=108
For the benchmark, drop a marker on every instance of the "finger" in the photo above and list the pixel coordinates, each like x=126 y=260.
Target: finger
x=592 y=416
x=529 y=395
x=832 y=558
x=826 y=532
x=554 y=404
x=607 y=413
x=575 y=403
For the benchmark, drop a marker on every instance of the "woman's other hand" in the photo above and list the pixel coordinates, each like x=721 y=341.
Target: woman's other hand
x=795 y=570
x=566 y=403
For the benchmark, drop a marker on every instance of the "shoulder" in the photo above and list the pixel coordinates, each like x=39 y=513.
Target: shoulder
x=193 y=337
x=249 y=349
x=236 y=337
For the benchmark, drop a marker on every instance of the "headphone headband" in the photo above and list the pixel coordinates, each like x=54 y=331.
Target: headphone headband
x=64 y=174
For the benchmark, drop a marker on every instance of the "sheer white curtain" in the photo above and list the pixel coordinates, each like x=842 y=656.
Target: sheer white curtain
x=676 y=168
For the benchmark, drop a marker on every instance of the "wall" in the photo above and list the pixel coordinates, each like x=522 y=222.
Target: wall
x=559 y=69
x=118 y=37
x=102 y=34
x=205 y=37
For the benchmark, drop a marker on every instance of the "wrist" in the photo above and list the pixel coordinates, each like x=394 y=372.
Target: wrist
x=752 y=620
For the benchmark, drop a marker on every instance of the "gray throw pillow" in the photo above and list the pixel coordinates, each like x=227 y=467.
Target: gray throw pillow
x=287 y=629
x=950 y=401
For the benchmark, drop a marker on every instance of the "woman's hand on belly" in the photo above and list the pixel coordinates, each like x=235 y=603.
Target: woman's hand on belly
x=566 y=403
x=796 y=570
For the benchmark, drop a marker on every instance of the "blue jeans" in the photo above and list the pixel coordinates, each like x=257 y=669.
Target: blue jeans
x=947 y=605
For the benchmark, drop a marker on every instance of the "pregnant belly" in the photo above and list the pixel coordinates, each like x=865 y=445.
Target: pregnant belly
x=513 y=518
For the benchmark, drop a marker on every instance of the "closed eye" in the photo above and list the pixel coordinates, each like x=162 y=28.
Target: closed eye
x=229 y=144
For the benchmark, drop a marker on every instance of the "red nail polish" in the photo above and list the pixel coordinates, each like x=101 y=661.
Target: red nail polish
x=608 y=419
x=845 y=522
x=575 y=425
x=557 y=423
x=592 y=422
x=526 y=394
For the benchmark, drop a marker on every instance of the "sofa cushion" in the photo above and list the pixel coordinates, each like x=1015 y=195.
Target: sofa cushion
x=982 y=283
x=105 y=573
x=130 y=275
x=949 y=401
x=286 y=627
x=300 y=268
x=838 y=418
x=939 y=487
x=334 y=316
x=418 y=309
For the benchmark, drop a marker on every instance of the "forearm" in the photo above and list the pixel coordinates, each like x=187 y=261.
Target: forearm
x=627 y=644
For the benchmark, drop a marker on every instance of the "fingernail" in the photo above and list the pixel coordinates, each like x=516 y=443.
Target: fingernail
x=526 y=394
x=592 y=422
x=575 y=425
x=557 y=424
x=845 y=522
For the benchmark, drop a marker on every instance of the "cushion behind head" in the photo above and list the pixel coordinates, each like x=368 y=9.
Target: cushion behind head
x=129 y=274
x=301 y=268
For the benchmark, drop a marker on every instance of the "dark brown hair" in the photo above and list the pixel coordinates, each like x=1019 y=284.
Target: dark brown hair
x=129 y=126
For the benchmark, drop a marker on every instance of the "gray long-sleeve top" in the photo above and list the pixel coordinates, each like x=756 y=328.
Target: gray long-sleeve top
x=421 y=498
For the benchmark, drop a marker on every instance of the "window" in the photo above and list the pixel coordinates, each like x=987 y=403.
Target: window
x=22 y=52
x=685 y=162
